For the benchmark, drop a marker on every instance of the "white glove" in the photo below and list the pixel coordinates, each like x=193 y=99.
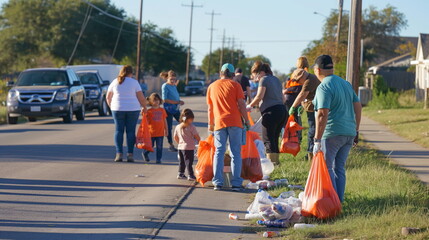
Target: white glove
x=249 y=108
x=317 y=148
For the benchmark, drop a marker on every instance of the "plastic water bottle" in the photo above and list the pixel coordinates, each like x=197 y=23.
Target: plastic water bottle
x=270 y=234
x=275 y=224
x=281 y=182
x=285 y=195
x=303 y=226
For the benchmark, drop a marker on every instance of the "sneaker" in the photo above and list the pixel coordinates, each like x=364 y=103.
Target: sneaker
x=191 y=178
x=237 y=188
x=118 y=157
x=172 y=148
x=181 y=176
x=130 y=158
x=158 y=162
x=217 y=188
x=146 y=157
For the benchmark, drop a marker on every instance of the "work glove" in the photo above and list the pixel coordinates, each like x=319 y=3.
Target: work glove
x=356 y=140
x=291 y=111
x=249 y=108
x=300 y=110
x=317 y=148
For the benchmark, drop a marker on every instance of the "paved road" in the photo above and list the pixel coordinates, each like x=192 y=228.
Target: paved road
x=58 y=181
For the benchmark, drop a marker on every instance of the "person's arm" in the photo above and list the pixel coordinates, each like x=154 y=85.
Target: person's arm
x=196 y=135
x=176 y=138
x=321 y=120
x=243 y=112
x=210 y=111
x=259 y=96
x=249 y=94
x=358 y=113
x=165 y=127
x=142 y=100
x=109 y=97
x=301 y=97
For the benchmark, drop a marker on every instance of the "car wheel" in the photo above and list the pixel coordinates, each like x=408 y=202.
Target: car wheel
x=103 y=108
x=80 y=114
x=69 y=117
x=32 y=119
x=12 y=120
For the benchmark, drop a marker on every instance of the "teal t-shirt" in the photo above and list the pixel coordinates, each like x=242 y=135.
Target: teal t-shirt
x=338 y=96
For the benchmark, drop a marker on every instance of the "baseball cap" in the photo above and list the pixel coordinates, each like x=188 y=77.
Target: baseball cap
x=323 y=62
x=228 y=66
x=238 y=70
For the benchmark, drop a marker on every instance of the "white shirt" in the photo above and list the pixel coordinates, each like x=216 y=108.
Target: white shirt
x=125 y=95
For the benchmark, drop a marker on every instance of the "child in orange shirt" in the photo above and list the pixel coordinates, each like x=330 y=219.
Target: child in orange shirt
x=157 y=119
x=185 y=135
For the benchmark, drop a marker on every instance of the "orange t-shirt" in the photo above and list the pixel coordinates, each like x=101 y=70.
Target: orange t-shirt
x=222 y=97
x=156 y=119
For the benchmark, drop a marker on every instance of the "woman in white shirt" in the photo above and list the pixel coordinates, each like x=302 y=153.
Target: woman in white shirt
x=126 y=100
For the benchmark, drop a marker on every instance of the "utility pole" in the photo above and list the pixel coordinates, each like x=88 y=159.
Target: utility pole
x=239 y=52
x=232 y=50
x=354 y=48
x=340 y=18
x=188 y=59
x=211 y=42
x=139 y=42
x=221 y=50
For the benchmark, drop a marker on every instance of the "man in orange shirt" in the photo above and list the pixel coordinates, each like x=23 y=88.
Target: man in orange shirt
x=226 y=110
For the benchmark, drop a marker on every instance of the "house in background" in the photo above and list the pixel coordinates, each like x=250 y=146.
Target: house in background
x=422 y=68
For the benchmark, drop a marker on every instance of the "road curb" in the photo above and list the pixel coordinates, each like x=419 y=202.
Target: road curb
x=167 y=217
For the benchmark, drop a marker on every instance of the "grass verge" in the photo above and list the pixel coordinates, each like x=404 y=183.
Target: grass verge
x=380 y=198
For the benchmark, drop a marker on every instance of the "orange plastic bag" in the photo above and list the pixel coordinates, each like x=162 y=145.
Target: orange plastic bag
x=205 y=154
x=143 y=139
x=250 y=119
x=320 y=198
x=290 y=141
x=251 y=164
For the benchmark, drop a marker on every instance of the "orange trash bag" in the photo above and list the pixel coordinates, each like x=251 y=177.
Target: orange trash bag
x=251 y=122
x=251 y=164
x=205 y=154
x=320 y=198
x=290 y=141
x=143 y=139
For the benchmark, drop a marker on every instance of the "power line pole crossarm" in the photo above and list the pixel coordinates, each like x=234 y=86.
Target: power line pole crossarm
x=211 y=42
x=188 y=60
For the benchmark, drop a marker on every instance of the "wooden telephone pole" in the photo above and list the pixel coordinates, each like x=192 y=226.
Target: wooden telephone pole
x=139 y=42
x=211 y=42
x=354 y=48
x=340 y=19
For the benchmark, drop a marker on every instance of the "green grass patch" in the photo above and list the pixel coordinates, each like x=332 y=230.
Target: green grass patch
x=410 y=120
x=380 y=198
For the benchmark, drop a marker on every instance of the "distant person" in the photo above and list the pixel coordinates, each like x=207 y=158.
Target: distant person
x=143 y=85
x=305 y=99
x=272 y=108
x=172 y=103
x=244 y=82
x=226 y=111
x=157 y=119
x=337 y=121
x=125 y=98
x=186 y=136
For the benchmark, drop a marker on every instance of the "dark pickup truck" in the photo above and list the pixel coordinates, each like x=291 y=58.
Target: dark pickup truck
x=43 y=92
x=96 y=91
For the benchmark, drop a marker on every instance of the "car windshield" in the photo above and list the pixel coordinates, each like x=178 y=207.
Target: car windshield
x=43 y=78
x=88 y=78
x=195 y=84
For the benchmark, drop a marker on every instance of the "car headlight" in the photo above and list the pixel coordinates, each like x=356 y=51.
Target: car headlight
x=93 y=93
x=12 y=96
x=62 y=95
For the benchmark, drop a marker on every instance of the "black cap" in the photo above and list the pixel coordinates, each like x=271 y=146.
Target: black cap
x=323 y=62
x=238 y=70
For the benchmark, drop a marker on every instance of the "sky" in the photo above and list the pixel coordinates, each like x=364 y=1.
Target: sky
x=277 y=29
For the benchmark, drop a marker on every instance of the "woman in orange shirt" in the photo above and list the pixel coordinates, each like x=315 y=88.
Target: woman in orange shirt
x=157 y=119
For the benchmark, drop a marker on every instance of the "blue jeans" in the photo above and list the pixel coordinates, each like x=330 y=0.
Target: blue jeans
x=125 y=121
x=311 y=131
x=170 y=125
x=156 y=141
x=234 y=134
x=336 y=152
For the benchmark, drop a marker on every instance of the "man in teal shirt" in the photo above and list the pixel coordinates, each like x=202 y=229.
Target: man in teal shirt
x=337 y=121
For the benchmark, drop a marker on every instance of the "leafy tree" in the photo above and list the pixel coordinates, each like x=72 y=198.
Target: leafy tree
x=229 y=56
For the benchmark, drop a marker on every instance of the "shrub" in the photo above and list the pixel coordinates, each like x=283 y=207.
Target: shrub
x=383 y=96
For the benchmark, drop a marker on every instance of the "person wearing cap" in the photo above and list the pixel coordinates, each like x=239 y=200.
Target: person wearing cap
x=244 y=82
x=337 y=121
x=304 y=100
x=273 y=110
x=226 y=111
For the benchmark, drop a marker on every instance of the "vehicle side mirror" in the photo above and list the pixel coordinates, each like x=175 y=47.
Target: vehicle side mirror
x=10 y=84
x=106 y=82
x=76 y=83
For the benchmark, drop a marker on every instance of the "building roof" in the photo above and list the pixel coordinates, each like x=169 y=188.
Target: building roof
x=424 y=38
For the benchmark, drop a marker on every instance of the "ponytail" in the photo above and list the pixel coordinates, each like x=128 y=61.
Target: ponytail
x=125 y=71
x=259 y=66
x=166 y=75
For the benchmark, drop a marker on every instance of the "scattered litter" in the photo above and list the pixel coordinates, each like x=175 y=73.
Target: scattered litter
x=270 y=234
x=249 y=216
x=285 y=195
x=274 y=224
x=303 y=226
x=233 y=216
x=281 y=182
x=139 y=175
x=267 y=166
x=295 y=187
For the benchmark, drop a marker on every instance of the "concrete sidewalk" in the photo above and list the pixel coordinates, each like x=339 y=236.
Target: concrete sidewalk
x=402 y=151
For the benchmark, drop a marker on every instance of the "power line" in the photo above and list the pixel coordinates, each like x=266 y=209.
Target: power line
x=82 y=29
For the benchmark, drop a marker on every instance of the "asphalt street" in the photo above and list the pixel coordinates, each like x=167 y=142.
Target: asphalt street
x=59 y=181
